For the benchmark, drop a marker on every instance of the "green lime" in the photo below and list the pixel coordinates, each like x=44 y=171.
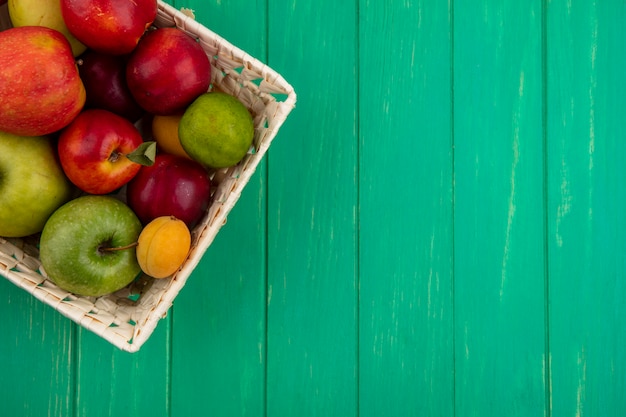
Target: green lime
x=216 y=130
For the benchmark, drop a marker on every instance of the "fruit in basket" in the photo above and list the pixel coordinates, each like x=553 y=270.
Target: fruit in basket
x=112 y=27
x=104 y=77
x=88 y=245
x=165 y=133
x=40 y=88
x=32 y=184
x=167 y=71
x=173 y=186
x=163 y=246
x=94 y=151
x=43 y=13
x=216 y=130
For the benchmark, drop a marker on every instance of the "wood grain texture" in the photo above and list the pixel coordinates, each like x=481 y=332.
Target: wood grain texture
x=36 y=356
x=406 y=345
x=498 y=210
x=587 y=206
x=312 y=248
x=111 y=382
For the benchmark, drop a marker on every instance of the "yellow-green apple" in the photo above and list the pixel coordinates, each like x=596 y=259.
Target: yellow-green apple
x=167 y=70
x=87 y=245
x=43 y=13
x=112 y=27
x=40 y=88
x=32 y=184
x=173 y=186
x=95 y=150
x=104 y=77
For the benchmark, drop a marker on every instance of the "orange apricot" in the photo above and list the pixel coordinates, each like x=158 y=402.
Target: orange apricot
x=163 y=246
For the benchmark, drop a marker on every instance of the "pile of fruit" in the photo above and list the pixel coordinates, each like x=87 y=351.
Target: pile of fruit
x=108 y=200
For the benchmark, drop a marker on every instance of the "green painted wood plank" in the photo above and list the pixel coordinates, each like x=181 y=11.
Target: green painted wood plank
x=406 y=355
x=587 y=202
x=499 y=209
x=312 y=249
x=37 y=346
x=112 y=382
x=242 y=23
x=218 y=364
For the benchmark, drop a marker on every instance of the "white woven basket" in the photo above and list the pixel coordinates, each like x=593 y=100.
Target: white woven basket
x=128 y=317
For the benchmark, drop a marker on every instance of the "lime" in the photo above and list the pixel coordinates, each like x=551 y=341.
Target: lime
x=216 y=130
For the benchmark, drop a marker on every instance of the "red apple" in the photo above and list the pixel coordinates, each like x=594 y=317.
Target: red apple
x=40 y=88
x=173 y=186
x=93 y=149
x=107 y=26
x=104 y=77
x=167 y=71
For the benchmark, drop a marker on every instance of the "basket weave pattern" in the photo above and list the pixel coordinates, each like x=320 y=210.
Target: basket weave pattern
x=128 y=317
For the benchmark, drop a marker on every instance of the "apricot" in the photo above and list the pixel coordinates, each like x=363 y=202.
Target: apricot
x=163 y=246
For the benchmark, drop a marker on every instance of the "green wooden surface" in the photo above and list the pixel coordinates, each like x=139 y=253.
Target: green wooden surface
x=586 y=205
x=498 y=204
x=437 y=230
x=406 y=336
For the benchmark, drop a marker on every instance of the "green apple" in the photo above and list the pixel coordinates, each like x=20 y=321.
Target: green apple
x=87 y=246
x=32 y=184
x=45 y=13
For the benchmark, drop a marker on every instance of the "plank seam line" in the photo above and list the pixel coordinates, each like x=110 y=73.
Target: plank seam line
x=357 y=214
x=544 y=121
x=266 y=268
x=452 y=211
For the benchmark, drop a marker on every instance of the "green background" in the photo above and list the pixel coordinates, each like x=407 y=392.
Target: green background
x=437 y=230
